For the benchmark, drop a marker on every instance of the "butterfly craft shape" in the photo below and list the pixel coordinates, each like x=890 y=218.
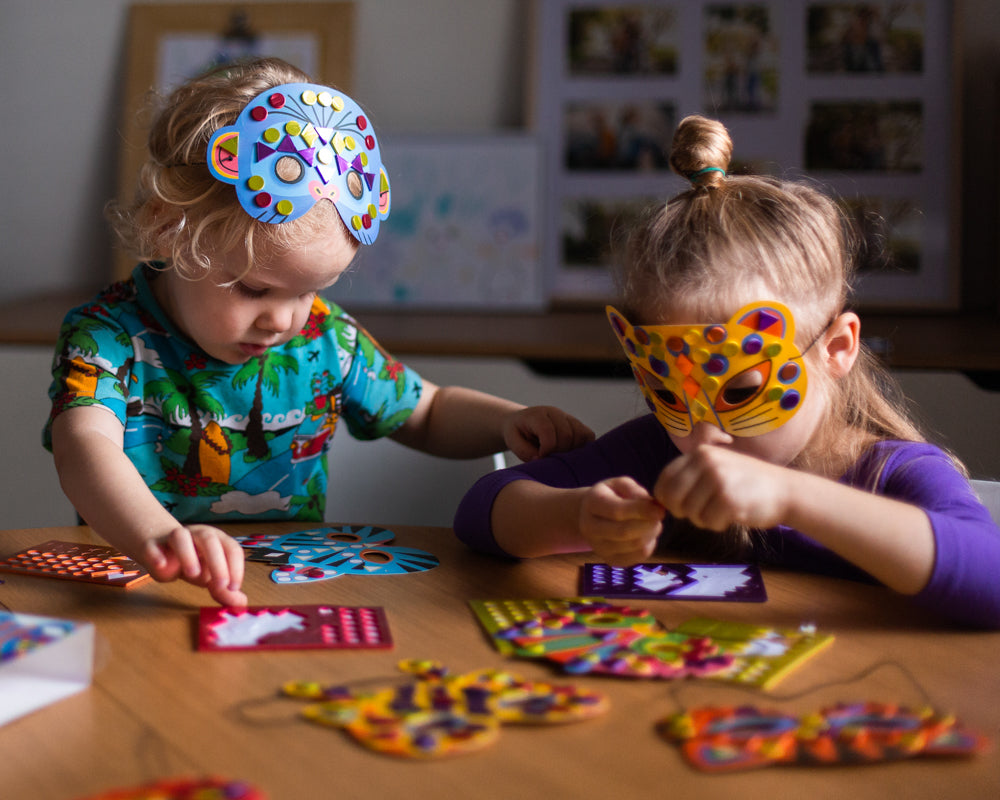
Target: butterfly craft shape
x=185 y=788
x=442 y=714
x=730 y=739
x=319 y=554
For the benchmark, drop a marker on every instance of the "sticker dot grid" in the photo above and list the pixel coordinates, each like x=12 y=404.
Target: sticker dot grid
x=293 y=627
x=76 y=561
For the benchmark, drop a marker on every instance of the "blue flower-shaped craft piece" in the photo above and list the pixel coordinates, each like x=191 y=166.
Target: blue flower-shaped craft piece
x=323 y=553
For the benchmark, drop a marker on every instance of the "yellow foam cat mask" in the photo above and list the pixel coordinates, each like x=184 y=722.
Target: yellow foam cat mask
x=745 y=376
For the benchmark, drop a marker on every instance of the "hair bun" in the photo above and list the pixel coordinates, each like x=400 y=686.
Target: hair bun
x=701 y=150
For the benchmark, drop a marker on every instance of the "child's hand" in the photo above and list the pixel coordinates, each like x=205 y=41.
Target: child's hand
x=715 y=487
x=201 y=555
x=620 y=521
x=534 y=432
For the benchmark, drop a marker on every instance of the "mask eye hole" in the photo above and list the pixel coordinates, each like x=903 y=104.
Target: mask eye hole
x=288 y=169
x=355 y=185
x=743 y=387
x=663 y=394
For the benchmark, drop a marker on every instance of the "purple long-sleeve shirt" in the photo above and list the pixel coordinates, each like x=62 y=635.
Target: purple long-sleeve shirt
x=965 y=582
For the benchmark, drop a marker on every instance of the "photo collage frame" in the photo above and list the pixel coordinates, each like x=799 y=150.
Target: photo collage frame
x=855 y=98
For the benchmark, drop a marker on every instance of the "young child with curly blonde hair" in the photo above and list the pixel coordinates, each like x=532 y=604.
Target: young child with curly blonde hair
x=207 y=386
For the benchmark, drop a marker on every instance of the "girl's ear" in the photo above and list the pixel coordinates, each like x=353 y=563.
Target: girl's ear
x=841 y=343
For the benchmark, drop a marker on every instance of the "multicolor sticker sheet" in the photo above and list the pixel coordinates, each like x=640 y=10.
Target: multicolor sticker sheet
x=21 y=635
x=293 y=627
x=736 y=582
x=441 y=714
x=323 y=553
x=77 y=562
x=42 y=660
x=592 y=636
x=762 y=656
x=746 y=737
x=184 y=789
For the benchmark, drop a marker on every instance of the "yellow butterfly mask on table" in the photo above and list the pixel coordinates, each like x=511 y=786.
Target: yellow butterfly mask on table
x=745 y=376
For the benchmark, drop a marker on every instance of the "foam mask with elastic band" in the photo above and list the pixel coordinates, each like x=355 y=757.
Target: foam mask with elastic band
x=297 y=144
x=745 y=376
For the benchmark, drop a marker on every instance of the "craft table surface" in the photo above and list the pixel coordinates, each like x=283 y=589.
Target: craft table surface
x=158 y=708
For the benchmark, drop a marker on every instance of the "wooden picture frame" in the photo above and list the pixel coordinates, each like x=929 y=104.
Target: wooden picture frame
x=166 y=42
x=780 y=76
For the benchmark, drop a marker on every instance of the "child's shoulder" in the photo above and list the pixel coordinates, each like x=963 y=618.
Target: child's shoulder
x=886 y=457
x=904 y=468
x=112 y=302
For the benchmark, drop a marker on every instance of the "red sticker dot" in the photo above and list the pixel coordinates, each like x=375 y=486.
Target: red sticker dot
x=258 y=113
x=277 y=100
x=263 y=200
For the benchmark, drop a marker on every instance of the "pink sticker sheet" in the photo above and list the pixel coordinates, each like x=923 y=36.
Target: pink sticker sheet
x=293 y=628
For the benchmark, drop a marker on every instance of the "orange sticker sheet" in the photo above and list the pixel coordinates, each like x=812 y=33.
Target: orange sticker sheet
x=76 y=561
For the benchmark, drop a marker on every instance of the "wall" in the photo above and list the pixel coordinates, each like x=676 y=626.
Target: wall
x=428 y=66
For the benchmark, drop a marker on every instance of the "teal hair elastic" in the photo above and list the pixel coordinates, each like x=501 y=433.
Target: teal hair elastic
x=692 y=175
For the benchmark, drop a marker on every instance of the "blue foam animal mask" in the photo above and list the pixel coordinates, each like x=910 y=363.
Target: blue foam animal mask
x=299 y=143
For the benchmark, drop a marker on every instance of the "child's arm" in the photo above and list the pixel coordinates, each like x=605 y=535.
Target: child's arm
x=456 y=422
x=108 y=492
x=714 y=487
x=616 y=519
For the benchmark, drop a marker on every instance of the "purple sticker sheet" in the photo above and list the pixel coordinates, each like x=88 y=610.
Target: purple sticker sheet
x=734 y=582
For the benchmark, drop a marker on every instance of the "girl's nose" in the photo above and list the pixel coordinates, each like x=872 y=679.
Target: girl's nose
x=707 y=433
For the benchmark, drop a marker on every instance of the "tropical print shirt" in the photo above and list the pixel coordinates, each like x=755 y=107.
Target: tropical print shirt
x=216 y=441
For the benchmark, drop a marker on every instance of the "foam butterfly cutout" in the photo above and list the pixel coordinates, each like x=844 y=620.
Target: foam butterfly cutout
x=441 y=714
x=319 y=554
x=730 y=739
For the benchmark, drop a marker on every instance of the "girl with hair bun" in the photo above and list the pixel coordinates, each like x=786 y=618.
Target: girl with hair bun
x=773 y=434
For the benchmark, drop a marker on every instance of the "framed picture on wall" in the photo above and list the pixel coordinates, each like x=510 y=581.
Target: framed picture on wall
x=168 y=43
x=464 y=231
x=856 y=98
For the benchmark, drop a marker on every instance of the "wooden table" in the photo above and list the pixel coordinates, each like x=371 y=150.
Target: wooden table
x=159 y=708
